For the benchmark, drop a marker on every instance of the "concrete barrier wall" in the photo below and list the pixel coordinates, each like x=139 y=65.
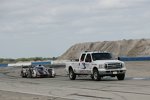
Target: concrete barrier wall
x=20 y=64
x=134 y=58
x=41 y=63
x=3 y=65
x=30 y=63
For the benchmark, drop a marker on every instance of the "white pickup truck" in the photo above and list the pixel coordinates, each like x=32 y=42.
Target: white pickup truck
x=97 y=64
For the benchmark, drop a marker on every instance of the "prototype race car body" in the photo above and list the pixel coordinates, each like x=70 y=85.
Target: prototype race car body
x=37 y=71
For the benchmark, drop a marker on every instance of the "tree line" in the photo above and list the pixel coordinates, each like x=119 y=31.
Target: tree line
x=10 y=60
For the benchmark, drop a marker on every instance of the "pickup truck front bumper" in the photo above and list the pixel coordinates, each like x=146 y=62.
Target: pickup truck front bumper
x=111 y=72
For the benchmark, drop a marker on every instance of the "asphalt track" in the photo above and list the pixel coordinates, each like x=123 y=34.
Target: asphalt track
x=136 y=86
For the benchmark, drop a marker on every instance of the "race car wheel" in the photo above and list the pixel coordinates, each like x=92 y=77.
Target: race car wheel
x=22 y=74
x=29 y=74
x=33 y=73
x=72 y=75
x=51 y=73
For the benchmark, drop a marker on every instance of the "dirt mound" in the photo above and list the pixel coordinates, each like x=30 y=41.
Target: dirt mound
x=139 y=47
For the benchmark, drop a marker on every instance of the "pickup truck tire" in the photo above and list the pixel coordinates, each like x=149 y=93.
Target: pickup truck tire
x=72 y=75
x=96 y=75
x=121 y=76
x=92 y=77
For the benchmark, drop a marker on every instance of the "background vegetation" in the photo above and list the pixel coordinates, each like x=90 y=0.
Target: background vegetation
x=10 y=60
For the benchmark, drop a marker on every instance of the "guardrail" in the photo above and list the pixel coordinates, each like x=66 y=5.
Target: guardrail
x=41 y=63
x=3 y=65
x=27 y=63
x=134 y=58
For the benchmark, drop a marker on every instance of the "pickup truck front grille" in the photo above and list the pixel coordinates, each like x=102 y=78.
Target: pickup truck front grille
x=113 y=66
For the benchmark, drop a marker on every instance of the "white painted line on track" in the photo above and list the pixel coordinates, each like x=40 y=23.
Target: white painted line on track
x=139 y=78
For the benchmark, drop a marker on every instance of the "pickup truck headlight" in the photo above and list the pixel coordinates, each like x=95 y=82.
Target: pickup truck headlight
x=122 y=65
x=106 y=66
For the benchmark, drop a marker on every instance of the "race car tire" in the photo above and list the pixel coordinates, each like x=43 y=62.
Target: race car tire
x=29 y=74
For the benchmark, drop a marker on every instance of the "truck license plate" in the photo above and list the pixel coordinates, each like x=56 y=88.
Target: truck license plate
x=114 y=72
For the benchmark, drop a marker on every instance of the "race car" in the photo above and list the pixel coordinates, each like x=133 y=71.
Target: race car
x=37 y=71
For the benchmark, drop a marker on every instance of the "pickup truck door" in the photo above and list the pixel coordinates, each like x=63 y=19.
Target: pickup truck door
x=85 y=66
x=82 y=67
x=88 y=63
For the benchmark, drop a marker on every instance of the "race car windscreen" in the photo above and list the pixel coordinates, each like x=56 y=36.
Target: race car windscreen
x=101 y=56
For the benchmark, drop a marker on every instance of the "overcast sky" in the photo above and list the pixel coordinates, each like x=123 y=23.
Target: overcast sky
x=47 y=28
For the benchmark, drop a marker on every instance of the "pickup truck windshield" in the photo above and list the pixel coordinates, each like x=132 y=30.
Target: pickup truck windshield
x=101 y=56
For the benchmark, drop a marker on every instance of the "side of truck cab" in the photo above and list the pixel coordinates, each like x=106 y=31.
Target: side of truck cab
x=97 y=64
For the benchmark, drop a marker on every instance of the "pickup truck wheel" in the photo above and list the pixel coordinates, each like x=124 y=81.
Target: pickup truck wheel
x=72 y=75
x=96 y=76
x=121 y=76
x=92 y=77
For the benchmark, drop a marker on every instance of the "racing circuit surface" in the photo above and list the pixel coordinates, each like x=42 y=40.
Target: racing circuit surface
x=136 y=86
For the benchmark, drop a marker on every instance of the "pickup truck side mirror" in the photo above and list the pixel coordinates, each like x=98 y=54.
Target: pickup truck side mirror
x=118 y=58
